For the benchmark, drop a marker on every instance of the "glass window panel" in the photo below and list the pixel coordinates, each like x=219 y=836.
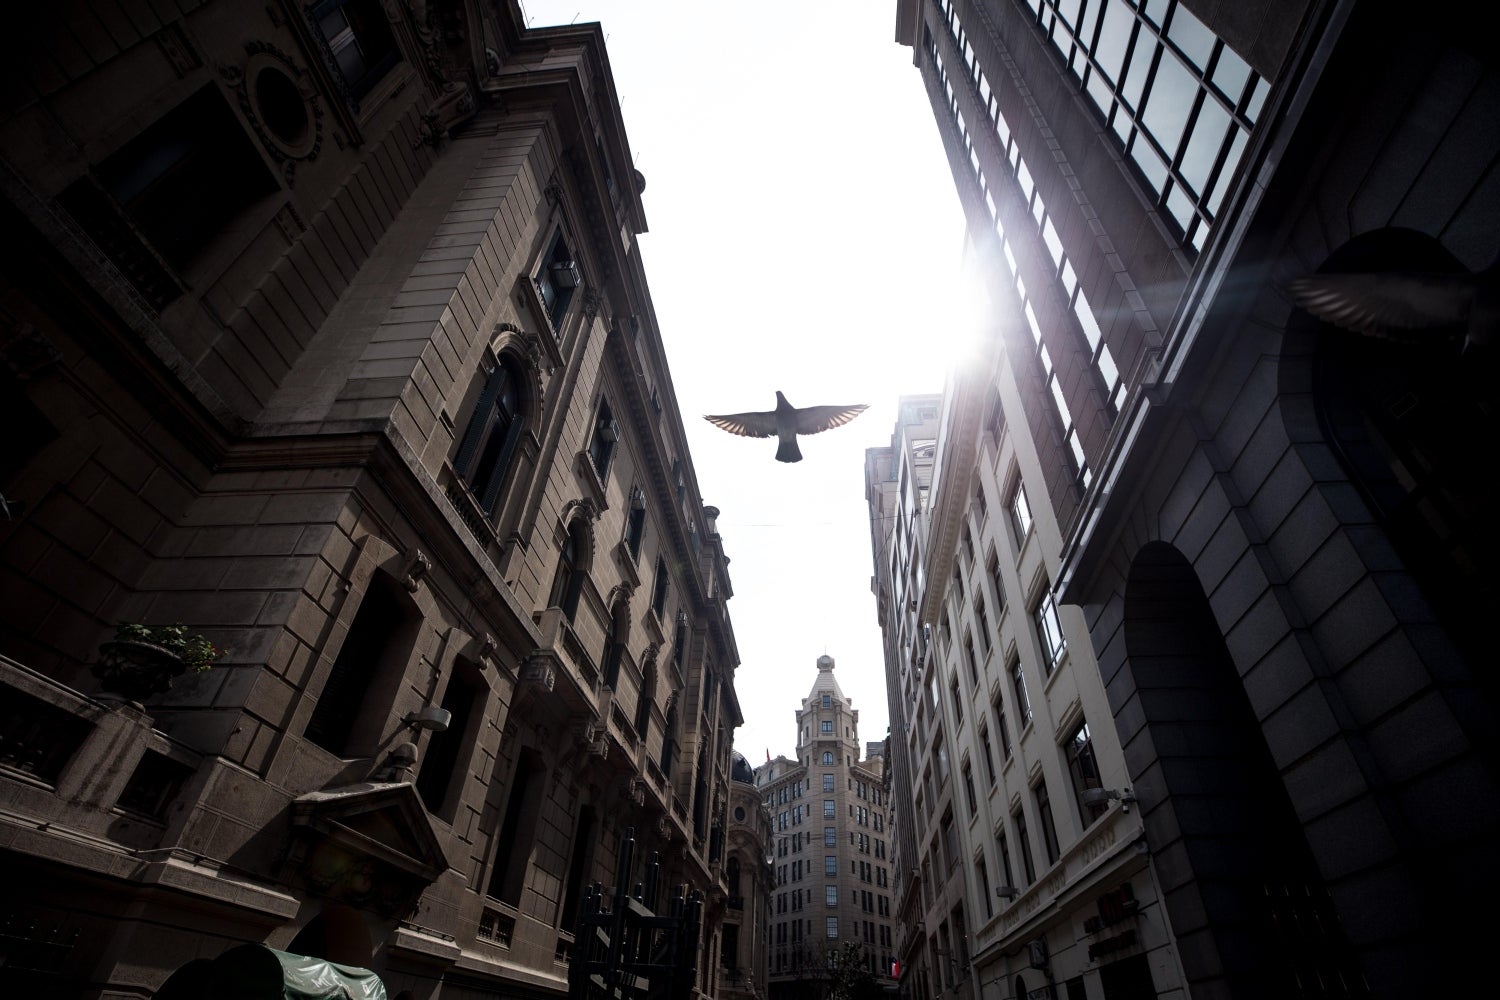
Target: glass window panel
x=1231 y=162
x=1171 y=100
x=984 y=89
x=1062 y=402
x=1106 y=365
x=1180 y=206
x=1002 y=130
x=1068 y=11
x=1010 y=258
x=1114 y=38
x=1123 y=126
x=1076 y=446
x=1230 y=74
x=989 y=200
x=1204 y=143
x=1257 y=99
x=1024 y=177
x=1151 y=165
x=1054 y=243
x=1098 y=90
x=1155 y=10
x=1086 y=320
x=1140 y=66
x=1045 y=359
x=1036 y=329
x=1190 y=35
x=1069 y=278
x=1039 y=211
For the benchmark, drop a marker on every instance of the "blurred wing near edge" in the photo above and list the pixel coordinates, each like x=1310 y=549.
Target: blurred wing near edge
x=755 y=425
x=1381 y=304
x=812 y=419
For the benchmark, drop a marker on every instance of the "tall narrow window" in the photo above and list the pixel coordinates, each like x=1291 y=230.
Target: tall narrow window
x=643 y=703
x=1084 y=770
x=602 y=443
x=1044 y=814
x=635 y=523
x=518 y=830
x=1020 y=511
x=489 y=444
x=440 y=762
x=583 y=852
x=659 y=589
x=1049 y=631
x=347 y=719
x=1023 y=703
x=557 y=279
x=572 y=568
x=1023 y=844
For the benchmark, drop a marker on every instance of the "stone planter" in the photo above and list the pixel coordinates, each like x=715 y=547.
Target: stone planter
x=136 y=670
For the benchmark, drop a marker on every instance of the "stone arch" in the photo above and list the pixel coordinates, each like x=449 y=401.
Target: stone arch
x=1239 y=877
x=1399 y=419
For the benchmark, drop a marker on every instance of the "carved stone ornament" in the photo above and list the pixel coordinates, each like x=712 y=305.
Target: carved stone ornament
x=540 y=672
x=635 y=789
x=553 y=191
x=592 y=300
x=280 y=101
x=416 y=566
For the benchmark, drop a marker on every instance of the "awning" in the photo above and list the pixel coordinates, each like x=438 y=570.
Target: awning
x=255 y=972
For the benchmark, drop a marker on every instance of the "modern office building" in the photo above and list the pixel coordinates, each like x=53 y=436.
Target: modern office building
x=832 y=892
x=326 y=336
x=1021 y=864
x=1270 y=521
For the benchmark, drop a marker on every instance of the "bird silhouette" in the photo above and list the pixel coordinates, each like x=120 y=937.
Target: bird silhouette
x=1407 y=306
x=785 y=423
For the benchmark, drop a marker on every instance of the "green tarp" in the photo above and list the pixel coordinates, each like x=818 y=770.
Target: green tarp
x=255 y=972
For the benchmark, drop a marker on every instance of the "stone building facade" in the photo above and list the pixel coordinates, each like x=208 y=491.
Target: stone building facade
x=1018 y=851
x=326 y=335
x=830 y=856
x=1271 y=525
x=749 y=877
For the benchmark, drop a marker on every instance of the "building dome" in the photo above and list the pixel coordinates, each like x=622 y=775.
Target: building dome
x=740 y=769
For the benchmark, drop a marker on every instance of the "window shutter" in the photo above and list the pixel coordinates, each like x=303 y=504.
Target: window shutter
x=477 y=422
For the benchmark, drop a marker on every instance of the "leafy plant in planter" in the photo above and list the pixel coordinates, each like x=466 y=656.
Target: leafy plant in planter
x=141 y=660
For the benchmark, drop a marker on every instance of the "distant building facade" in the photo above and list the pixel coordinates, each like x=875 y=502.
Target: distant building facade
x=749 y=878
x=830 y=852
x=326 y=335
x=1018 y=839
x=1272 y=527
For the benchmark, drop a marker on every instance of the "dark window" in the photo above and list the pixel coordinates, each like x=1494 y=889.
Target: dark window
x=518 y=830
x=154 y=784
x=1023 y=842
x=602 y=443
x=659 y=589
x=181 y=182
x=1084 y=769
x=359 y=36
x=583 y=841
x=647 y=696
x=365 y=671
x=489 y=444
x=440 y=761
x=572 y=568
x=1049 y=830
x=557 y=279
x=635 y=523
x=1023 y=703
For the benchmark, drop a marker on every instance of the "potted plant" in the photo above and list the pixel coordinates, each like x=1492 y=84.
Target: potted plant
x=141 y=660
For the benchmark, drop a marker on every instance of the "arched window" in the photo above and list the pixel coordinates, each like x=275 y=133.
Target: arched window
x=616 y=641
x=828 y=758
x=734 y=876
x=572 y=567
x=489 y=444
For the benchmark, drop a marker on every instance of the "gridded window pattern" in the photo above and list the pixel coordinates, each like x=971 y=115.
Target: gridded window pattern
x=1063 y=271
x=1049 y=631
x=1181 y=102
x=827 y=782
x=831 y=895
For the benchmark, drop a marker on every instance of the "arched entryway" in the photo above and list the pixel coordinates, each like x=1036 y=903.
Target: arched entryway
x=1247 y=904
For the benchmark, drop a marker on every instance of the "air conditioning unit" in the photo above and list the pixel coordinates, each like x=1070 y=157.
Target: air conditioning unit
x=567 y=274
x=609 y=430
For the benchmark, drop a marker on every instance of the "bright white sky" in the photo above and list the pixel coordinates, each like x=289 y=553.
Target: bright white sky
x=804 y=236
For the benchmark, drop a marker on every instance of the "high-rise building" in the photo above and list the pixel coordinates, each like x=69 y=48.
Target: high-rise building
x=1018 y=839
x=326 y=335
x=1272 y=522
x=831 y=897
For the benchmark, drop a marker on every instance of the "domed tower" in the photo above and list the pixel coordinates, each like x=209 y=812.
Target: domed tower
x=827 y=722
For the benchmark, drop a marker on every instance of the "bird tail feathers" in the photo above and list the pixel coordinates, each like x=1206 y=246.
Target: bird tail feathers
x=788 y=452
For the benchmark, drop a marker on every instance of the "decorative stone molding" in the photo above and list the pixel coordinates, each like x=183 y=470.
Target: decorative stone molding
x=280 y=101
x=539 y=671
x=413 y=569
x=553 y=191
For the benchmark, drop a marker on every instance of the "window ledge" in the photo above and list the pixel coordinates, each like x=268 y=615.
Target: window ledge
x=589 y=477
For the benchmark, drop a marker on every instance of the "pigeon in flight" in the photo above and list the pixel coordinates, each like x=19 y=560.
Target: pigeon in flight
x=1406 y=306
x=786 y=422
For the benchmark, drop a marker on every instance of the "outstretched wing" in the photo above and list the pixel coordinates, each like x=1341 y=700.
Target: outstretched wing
x=1383 y=304
x=812 y=419
x=752 y=425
